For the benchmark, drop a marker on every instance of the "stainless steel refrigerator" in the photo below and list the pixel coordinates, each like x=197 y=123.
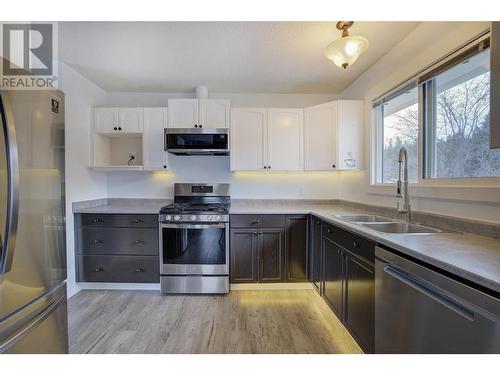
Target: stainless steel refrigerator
x=33 y=314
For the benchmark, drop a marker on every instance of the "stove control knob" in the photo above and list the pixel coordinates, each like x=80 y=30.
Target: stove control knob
x=193 y=217
x=177 y=217
x=168 y=217
x=217 y=217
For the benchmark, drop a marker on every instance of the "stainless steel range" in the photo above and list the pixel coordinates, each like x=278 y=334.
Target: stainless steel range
x=194 y=240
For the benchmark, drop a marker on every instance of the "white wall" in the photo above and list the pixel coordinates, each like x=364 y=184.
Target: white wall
x=424 y=45
x=216 y=169
x=81 y=183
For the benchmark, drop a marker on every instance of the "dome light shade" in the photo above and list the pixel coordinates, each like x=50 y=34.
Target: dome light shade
x=346 y=50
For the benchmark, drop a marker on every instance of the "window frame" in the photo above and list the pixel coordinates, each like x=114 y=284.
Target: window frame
x=378 y=140
x=462 y=186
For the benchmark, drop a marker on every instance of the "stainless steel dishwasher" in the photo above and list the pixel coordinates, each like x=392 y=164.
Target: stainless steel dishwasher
x=418 y=310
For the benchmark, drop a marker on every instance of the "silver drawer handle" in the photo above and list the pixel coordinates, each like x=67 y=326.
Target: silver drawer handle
x=98 y=269
x=139 y=242
x=138 y=221
x=256 y=221
x=95 y=242
x=139 y=270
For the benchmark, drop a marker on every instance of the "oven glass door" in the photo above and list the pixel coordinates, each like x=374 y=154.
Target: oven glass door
x=194 y=249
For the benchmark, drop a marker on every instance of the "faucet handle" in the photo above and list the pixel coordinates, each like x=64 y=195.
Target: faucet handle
x=398 y=188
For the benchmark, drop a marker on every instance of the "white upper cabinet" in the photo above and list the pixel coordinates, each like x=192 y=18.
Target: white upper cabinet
x=155 y=156
x=131 y=120
x=266 y=139
x=333 y=135
x=285 y=131
x=183 y=113
x=214 y=113
x=109 y=120
x=106 y=120
x=248 y=139
x=198 y=113
x=320 y=137
x=350 y=134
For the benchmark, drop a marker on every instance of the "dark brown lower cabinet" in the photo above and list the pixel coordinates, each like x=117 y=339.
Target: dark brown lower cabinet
x=269 y=248
x=297 y=234
x=244 y=248
x=270 y=254
x=333 y=277
x=348 y=282
x=117 y=248
x=360 y=298
x=316 y=253
x=257 y=255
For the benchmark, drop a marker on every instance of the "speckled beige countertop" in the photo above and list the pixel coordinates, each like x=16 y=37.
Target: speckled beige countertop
x=469 y=256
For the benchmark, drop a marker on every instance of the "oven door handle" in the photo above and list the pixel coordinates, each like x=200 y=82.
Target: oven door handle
x=194 y=226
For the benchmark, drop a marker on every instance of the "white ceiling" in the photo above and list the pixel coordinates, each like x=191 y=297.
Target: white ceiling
x=232 y=57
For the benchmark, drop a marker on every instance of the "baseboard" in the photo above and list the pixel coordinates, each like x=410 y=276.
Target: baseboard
x=120 y=286
x=154 y=286
x=271 y=286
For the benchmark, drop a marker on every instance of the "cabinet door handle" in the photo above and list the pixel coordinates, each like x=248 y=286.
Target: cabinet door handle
x=268 y=167
x=139 y=270
x=196 y=126
x=256 y=221
x=265 y=166
x=98 y=269
x=138 y=221
x=115 y=128
x=119 y=128
x=355 y=245
x=95 y=242
x=329 y=230
x=255 y=233
x=139 y=242
x=333 y=165
x=200 y=126
x=97 y=220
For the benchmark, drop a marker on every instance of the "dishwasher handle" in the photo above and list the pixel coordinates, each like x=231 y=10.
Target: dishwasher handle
x=430 y=291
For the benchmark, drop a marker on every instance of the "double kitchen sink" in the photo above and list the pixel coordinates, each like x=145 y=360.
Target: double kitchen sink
x=385 y=225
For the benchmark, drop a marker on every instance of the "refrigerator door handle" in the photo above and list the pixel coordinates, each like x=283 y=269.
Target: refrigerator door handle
x=7 y=120
x=35 y=321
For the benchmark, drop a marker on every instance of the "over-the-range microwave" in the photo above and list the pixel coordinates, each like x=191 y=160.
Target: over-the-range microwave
x=186 y=141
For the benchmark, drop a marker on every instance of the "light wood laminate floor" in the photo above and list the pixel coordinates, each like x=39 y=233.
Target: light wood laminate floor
x=274 y=321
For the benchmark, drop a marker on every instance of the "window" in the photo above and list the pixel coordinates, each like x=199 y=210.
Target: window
x=398 y=127
x=442 y=119
x=457 y=122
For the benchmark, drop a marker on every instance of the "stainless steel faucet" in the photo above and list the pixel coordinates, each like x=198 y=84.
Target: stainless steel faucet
x=406 y=210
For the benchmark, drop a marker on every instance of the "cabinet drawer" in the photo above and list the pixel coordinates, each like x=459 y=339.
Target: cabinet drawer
x=119 y=269
x=113 y=241
x=355 y=244
x=112 y=220
x=257 y=221
x=137 y=221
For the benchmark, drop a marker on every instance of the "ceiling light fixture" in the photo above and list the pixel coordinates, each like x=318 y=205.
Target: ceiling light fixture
x=346 y=50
